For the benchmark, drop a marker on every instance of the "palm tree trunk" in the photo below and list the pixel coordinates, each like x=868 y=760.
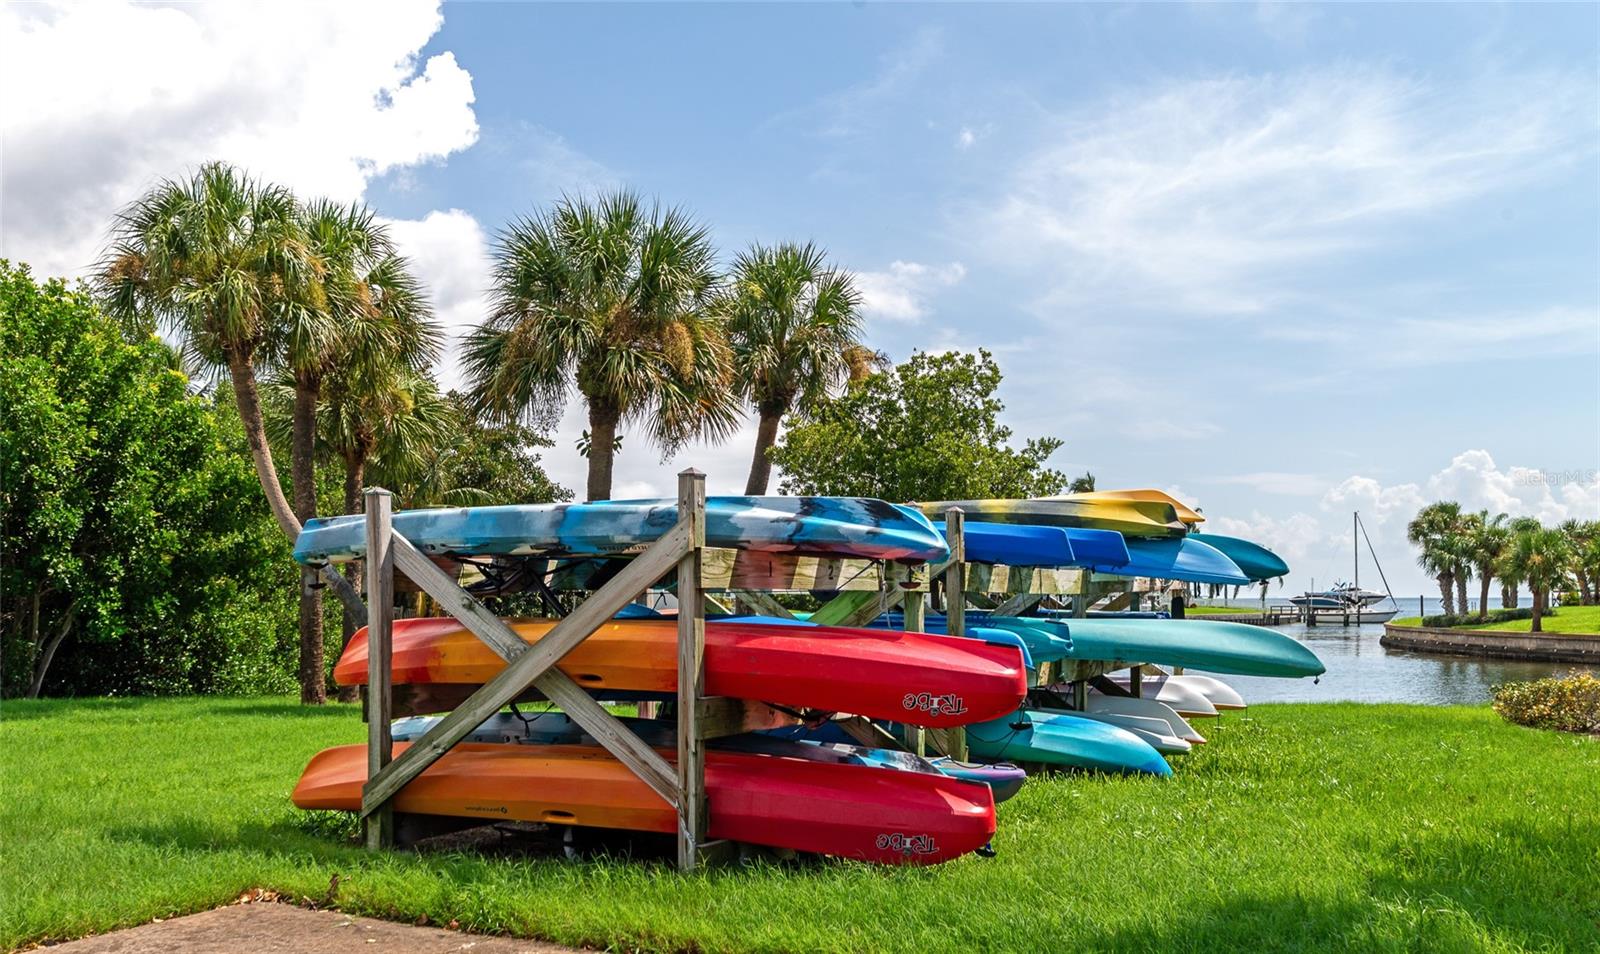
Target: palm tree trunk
x=761 y=464
x=249 y=402
x=355 y=467
x=1461 y=592
x=1447 y=599
x=1538 y=610
x=603 y=417
x=303 y=474
x=1483 y=594
x=1508 y=594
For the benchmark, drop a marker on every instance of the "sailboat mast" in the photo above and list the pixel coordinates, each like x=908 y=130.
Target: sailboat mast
x=1355 y=547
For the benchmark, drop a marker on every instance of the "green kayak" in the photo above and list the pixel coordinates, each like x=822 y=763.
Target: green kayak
x=1230 y=648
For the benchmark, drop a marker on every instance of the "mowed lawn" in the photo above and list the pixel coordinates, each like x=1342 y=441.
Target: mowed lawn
x=1299 y=827
x=1578 y=620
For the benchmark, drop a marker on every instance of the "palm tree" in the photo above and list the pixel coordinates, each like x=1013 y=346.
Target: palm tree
x=609 y=297
x=1489 y=537
x=1509 y=597
x=1580 y=534
x=794 y=324
x=1540 y=558
x=1435 y=531
x=1459 y=543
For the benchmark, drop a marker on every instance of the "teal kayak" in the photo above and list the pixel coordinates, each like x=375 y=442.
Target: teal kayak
x=1065 y=740
x=1038 y=643
x=1230 y=648
x=1257 y=562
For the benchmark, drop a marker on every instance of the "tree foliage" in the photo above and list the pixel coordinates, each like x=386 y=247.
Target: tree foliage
x=927 y=429
x=139 y=556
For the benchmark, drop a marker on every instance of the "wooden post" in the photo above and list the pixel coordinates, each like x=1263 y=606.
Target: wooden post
x=955 y=588
x=1080 y=603
x=693 y=817
x=1136 y=682
x=380 y=648
x=911 y=582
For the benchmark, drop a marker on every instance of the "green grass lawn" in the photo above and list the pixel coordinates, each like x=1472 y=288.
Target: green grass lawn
x=1583 y=620
x=1299 y=827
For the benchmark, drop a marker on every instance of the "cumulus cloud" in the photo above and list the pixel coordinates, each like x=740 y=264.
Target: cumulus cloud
x=901 y=292
x=100 y=101
x=449 y=252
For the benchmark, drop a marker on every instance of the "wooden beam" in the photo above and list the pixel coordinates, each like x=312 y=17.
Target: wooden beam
x=693 y=819
x=1018 y=604
x=534 y=665
x=867 y=733
x=729 y=569
x=719 y=716
x=761 y=603
x=955 y=534
x=909 y=580
x=380 y=648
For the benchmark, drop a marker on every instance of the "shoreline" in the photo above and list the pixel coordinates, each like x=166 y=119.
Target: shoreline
x=1555 y=647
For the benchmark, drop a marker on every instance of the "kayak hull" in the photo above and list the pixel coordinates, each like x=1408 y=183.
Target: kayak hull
x=1142 y=708
x=1065 y=740
x=1228 y=648
x=850 y=811
x=1221 y=695
x=832 y=526
x=1131 y=518
x=1157 y=732
x=922 y=679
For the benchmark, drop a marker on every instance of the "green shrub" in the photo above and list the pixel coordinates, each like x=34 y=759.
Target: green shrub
x=1570 y=599
x=1570 y=703
x=1469 y=619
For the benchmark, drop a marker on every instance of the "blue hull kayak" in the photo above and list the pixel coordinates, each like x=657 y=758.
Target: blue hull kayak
x=1039 y=643
x=1003 y=778
x=1187 y=559
x=1253 y=559
x=1065 y=740
x=1027 y=545
x=825 y=526
x=1229 y=648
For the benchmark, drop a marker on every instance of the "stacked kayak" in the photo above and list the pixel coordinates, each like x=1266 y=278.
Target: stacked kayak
x=1131 y=518
x=833 y=526
x=923 y=679
x=1065 y=739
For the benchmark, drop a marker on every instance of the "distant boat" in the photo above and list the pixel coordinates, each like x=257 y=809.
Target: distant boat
x=1348 y=603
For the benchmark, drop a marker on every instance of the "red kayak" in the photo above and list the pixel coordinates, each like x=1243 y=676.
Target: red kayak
x=852 y=811
x=916 y=678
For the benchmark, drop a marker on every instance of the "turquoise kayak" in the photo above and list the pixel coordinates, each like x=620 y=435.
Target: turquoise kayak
x=1039 y=644
x=1255 y=560
x=1065 y=740
x=1185 y=559
x=825 y=526
x=1229 y=648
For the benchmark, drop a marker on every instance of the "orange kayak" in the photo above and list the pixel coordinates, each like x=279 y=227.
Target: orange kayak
x=852 y=811
x=916 y=678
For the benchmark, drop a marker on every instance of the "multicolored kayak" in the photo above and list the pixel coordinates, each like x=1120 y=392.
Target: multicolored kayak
x=817 y=745
x=832 y=526
x=852 y=811
x=1064 y=739
x=1229 y=648
x=908 y=677
x=1131 y=518
x=1253 y=559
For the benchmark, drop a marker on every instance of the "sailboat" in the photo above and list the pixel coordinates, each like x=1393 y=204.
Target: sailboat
x=1348 y=603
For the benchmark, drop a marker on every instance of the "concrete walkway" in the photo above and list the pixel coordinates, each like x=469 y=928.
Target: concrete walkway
x=285 y=929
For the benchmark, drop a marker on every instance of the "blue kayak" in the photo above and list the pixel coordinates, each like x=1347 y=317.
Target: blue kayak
x=1028 y=545
x=1186 y=559
x=1253 y=559
x=999 y=636
x=1039 y=643
x=824 y=526
x=1064 y=740
x=1230 y=648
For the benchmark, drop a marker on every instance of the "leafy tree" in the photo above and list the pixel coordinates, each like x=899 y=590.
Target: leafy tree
x=1435 y=530
x=1582 y=535
x=925 y=430
x=608 y=297
x=794 y=324
x=1540 y=559
x=1082 y=485
x=1489 y=537
x=483 y=463
x=137 y=554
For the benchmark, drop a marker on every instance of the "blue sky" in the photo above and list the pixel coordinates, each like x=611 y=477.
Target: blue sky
x=1286 y=261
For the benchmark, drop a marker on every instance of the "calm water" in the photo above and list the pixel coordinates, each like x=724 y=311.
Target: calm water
x=1360 y=670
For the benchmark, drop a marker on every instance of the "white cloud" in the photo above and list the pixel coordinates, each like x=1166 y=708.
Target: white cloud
x=965 y=138
x=1278 y=482
x=901 y=292
x=1297 y=537
x=99 y=101
x=1216 y=195
x=449 y=253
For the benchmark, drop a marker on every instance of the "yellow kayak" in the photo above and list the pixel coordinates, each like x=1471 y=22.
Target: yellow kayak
x=1185 y=513
x=1132 y=518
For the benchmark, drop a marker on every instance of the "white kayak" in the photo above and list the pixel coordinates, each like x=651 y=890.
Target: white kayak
x=1176 y=725
x=1186 y=700
x=1222 y=695
x=1157 y=732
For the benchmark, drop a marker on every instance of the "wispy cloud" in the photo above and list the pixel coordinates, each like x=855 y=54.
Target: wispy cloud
x=855 y=109
x=902 y=291
x=1216 y=195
